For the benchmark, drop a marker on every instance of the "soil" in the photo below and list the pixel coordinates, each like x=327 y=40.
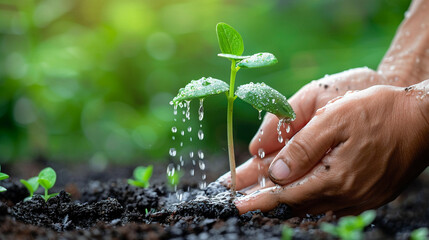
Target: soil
x=101 y=209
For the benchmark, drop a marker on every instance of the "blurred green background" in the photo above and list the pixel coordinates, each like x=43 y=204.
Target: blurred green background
x=90 y=80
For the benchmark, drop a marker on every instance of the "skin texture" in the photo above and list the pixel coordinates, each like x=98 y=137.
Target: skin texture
x=348 y=150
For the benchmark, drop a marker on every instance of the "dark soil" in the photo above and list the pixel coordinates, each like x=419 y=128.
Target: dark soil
x=115 y=210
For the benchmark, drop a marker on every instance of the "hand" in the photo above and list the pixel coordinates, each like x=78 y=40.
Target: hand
x=356 y=153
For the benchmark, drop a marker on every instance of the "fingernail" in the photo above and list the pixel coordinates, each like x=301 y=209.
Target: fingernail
x=279 y=170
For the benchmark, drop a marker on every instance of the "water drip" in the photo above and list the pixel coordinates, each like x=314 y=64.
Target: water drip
x=260 y=116
x=173 y=129
x=201 y=110
x=200 y=134
x=191 y=155
x=172 y=152
x=261 y=153
x=188 y=110
x=200 y=154
x=182 y=133
x=202 y=165
x=189 y=129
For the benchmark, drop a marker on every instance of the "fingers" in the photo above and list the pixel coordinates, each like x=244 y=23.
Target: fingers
x=248 y=172
x=305 y=149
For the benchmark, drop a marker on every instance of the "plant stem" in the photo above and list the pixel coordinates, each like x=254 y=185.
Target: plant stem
x=46 y=194
x=231 y=98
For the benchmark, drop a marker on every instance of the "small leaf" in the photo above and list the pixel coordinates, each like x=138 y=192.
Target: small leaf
x=2 y=189
x=3 y=176
x=258 y=60
x=47 y=178
x=368 y=216
x=420 y=234
x=147 y=174
x=201 y=88
x=135 y=183
x=329 y=228
x=32 y=184
x=232 y=56
x=52 y=195
x=263 y=97
x=230 y=41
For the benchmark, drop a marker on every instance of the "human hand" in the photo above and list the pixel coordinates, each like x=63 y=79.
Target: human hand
x=356 y=153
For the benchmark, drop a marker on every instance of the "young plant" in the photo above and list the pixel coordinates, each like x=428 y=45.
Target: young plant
x=32 y=185
x=287 y=233
x=350 y=227
x=420 y=234
x=174 y=177
x=3 y=176
x=141 y=176
x=47 y=178
x=259 y=95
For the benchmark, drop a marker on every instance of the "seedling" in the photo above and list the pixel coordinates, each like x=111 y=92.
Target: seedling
x=47 y=178
x=259 y=95
x=3 y=176
x=350 y=227
x=420 y=234
x=287 y=233
x=32 y=185
x=141 y=176
x=173 y=178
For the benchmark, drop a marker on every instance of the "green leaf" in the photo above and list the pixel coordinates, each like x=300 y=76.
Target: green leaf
x=52 y=195
x=201 y=88
x=47 y=178
x=143 y=174
x=32 y=184
x=329 y=228
x=3 y=176
x=368 y=216
x=420 y=234
x=258 y=60
x=263 y=97
x=230 y=41
x=287 y=233
x=2 y=189
x=232 y=56
x=137 y=183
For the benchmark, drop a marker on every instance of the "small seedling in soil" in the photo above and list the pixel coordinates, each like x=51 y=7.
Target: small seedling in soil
x=287 y=233
x=259 y=95
x=173 y=178
x=32 y=185
x=350 y=227
x=141 y=176
x=420 y=234
x=3 y=176
x=47 y=178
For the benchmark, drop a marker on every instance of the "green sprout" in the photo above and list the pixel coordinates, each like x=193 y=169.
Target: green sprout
x=3 y=176
x=287 y=233
x=350 y=227
x=173 y=178
x=141 y=176
x=259 y=95
x=47 y=178
x=32 y=185
x=420 y=234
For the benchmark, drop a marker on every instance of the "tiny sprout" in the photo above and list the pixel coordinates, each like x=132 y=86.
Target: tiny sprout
x=141 y=176
x=260 y=95
x=3 y=176
x=287 y=233
x=420 y=234
x=173 y=179
x=350 y=227
x=47 y=178
x=32 y=185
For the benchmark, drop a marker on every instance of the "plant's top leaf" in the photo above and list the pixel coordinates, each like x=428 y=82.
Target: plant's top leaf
x=143 y=173
x=368 y=216
x=31 y=184
x=47 y=178
x=230 y=41
x=419 y=234
x=263 y=97
x=232 y=56
x=2 y=189
x=329 y=228
x=258 y=60
x=201 y=88
x=3 y=176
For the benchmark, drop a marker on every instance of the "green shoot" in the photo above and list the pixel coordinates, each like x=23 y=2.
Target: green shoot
x=350 y=227
x=174 y=177
x=287 y=233
x=47 y=178
x=32 y=185
x=141 y=176
x=420 y=234
x=3 y=176
x=260 y=96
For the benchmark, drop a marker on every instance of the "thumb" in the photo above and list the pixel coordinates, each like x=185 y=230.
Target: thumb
x=304 y=150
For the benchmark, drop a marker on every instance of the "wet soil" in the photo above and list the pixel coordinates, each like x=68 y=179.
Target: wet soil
x=115 y=210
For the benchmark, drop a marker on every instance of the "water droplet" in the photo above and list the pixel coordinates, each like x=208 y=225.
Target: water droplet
x=188 y=110
x=201 y=164
x=189 y=129
x=260 y=116
x=392 y=67
x=183 y=112
x=183 y=119
x=171 y=103
x=200 y=154
x=171 y=169
x=191 y=154
x=192 y=172
x=175 y=110
x=261 y=180
x=280 y=138
x=261 y=132
x=201 y=110
x=172 y=152
x=181 y=144
x=181 y=104
x=261 y=153
x=203 y=177
x=288 y=128
x=173 y=138
x=193 y=162
x=190 y=139
x=407 y=14
x=273 y=101
x=201 y=125
x=173 y=129
x=182 y=133
x=200 y=134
